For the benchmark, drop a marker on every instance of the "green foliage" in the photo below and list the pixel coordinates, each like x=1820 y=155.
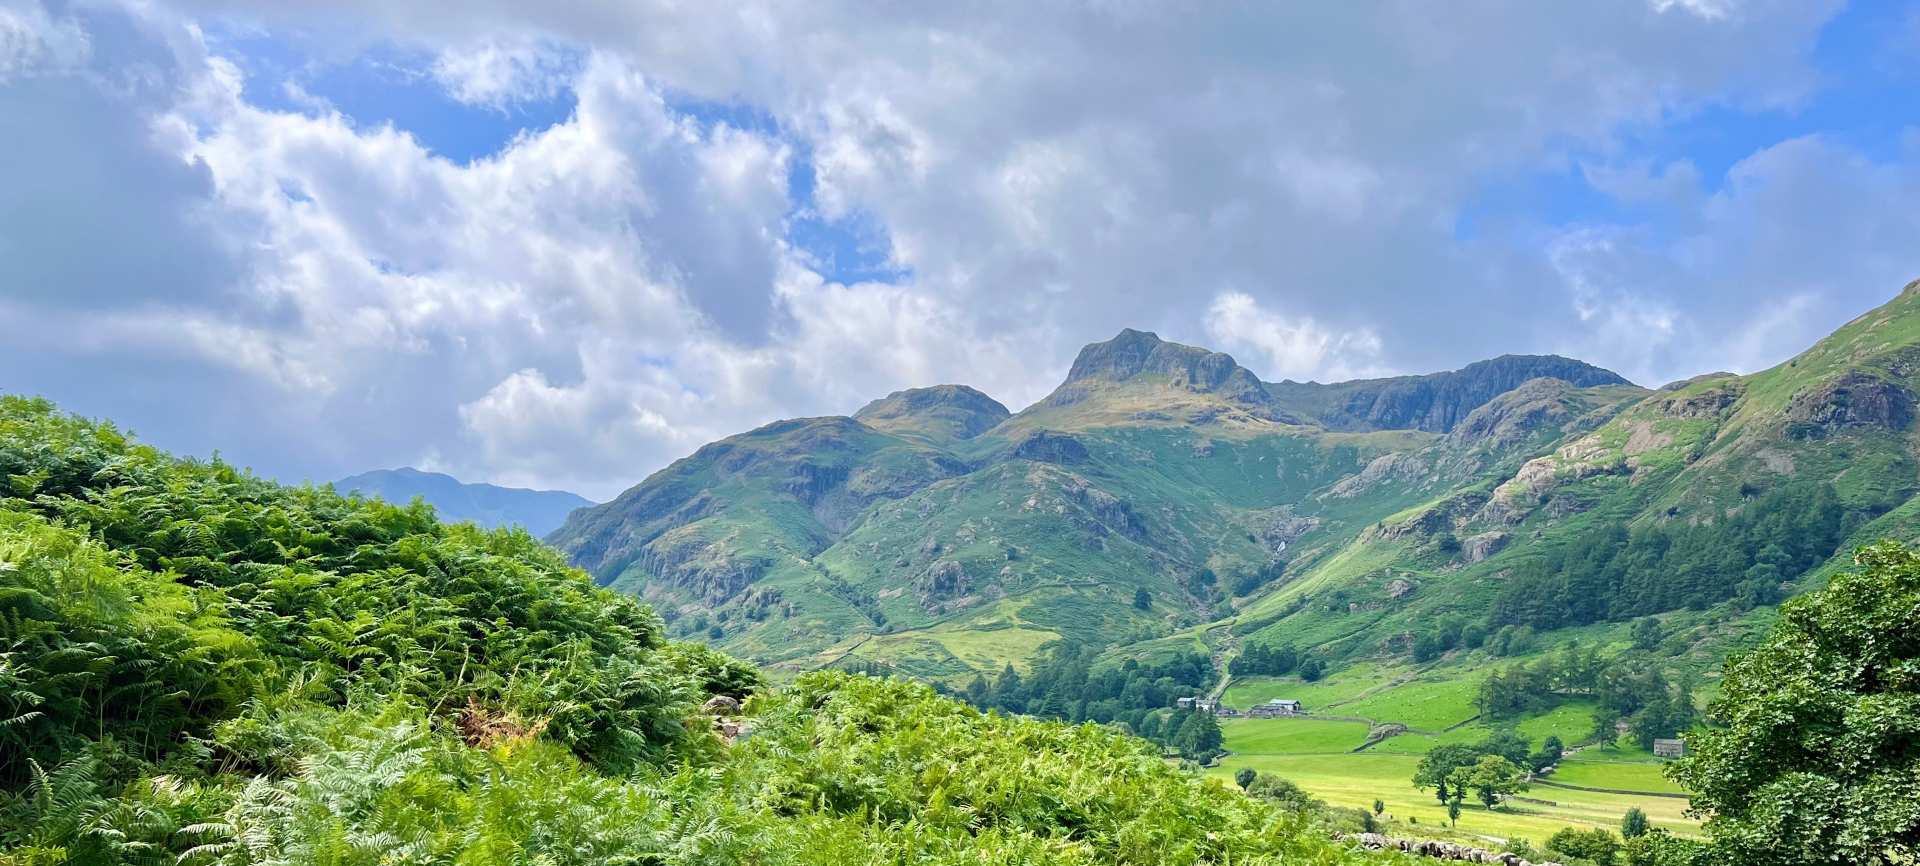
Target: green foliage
x=1064 y=684
x=1489 y=769
x=1633 y=824
x=1283 y=792
x=1551 y=750
x=147 y=598
x=200 y=668
x=1489 y=779
x=1595 y=845
x=1615 y=573
x=1259 y=659
x=1626 y=686
x=1817 y=755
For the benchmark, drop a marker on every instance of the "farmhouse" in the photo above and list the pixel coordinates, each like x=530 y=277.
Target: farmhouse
x=1670 y=748
x=1276 y=707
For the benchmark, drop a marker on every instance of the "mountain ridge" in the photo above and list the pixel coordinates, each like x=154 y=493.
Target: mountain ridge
x=1163 y=491
x=489 y=505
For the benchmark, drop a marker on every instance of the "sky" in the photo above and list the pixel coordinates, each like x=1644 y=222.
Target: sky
x=561 y=244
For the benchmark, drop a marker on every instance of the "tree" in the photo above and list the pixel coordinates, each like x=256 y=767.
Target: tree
x=1816 y=758
x=1551 y=750
x=1436 y=768
x=1206 y=735
x=977 y=691
x=1646 y=633
x=1606 y=721
x=1282 y=791
x=1453 y=809
x=1633 y=824
x=1506 y=743
x=1427 y=647
x=1142 y=599
x=1244 y=777
x=1489 y=779
x=1597 y=844
x=1312 y=668
x=1379 y=807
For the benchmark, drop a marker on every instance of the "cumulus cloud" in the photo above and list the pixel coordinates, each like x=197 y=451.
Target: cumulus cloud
x=500 y=72
x=1292 y=348
x=603 y=295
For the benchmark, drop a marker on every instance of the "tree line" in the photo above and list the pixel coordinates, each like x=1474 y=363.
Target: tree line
x=1614 y=573
x=1066 y=683
x=1630 y=686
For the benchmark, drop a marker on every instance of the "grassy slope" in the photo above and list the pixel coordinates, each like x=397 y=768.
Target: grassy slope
x=1197 y=479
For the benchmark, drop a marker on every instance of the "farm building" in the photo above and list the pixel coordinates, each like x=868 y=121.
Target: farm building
x=1669 y=748
x=1276 y=707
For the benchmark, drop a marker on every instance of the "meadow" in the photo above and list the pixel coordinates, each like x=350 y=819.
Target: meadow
x=1324 y=755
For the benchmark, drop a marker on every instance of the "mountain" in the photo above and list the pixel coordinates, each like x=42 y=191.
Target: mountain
x=940 y=414
x=1164 y=499
x=537 y=511
x=1437 y=401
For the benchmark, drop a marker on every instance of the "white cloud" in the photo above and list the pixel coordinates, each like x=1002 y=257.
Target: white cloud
x=1293 y=347
x=1711 y=10
x=498 y=73
x=602 y=296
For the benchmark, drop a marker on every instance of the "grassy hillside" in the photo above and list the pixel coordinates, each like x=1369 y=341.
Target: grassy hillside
x=201 y=667
x=1165 y=501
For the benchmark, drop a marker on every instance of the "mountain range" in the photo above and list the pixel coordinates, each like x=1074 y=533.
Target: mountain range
x=1165 y=498
x=491 y=506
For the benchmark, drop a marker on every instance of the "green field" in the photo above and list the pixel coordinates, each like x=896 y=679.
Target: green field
x=1318 y=754
x=1609 y=768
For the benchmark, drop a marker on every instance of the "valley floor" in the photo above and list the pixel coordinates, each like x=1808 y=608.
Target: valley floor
x=1323 y=753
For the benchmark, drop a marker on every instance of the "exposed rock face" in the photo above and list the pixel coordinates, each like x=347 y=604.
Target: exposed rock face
x=1399 y=587
x=1711 y=402
x=1396 y=466
x=1139 y=358
x=1477 y=548
x=1109 y=510
x=1513 y=416
x=1851 y=400
x=942 y=584
x=1141 y=354
x=1437 y=402
x=1514 y=499
x=700 y=567
x=1443 y=517
x=1049 y=447
x=1284 y=528
x=949 y=412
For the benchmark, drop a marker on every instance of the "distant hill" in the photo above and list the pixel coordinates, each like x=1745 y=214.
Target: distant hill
x=1164 y=499
x=537 y=511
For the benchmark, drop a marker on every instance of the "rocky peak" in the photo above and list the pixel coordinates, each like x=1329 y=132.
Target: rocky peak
x=1436 y=402
x=1135 y=356
x=941 y=412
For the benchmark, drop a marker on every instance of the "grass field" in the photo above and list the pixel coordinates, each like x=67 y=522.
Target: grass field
x=1317 y=754
x=1615 y=768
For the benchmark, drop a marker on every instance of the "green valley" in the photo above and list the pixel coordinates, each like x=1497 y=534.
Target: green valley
x=1398 y=541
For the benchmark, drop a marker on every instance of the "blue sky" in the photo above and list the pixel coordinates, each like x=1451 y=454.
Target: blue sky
x=561 y=245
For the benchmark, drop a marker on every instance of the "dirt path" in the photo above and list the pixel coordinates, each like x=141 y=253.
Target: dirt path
x=1223 y=659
